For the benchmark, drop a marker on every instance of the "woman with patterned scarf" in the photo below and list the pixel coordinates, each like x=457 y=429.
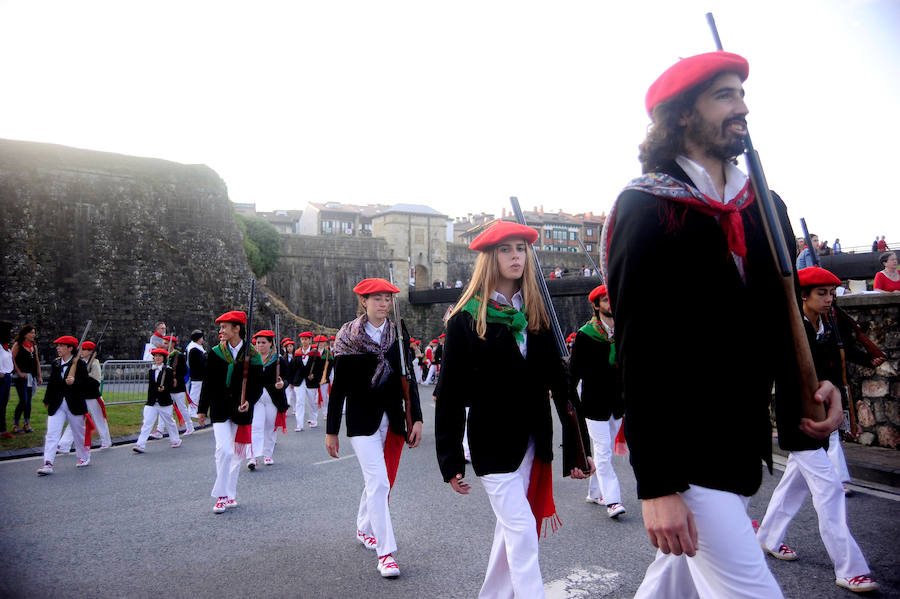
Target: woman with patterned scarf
x=500 y=361
x=367 y=376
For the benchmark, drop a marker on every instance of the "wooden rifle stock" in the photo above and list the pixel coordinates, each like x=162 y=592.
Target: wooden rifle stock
x=243 y=407
x=405 y=371
x=806 y=369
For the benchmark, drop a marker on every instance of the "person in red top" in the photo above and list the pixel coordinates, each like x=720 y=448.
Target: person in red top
x=882 y=245
x=888 y=279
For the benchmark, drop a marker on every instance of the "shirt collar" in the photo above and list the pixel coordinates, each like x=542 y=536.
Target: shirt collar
x=517 y=301
x=735 y=179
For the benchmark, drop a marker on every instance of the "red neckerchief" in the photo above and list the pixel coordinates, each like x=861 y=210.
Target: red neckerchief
x=28 y=345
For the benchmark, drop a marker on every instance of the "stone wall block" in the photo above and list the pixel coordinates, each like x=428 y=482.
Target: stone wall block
x=888 y=436
x=874 y=388
x=864 y=414
x=878 y=410
x=866 y=439
x=892 y=411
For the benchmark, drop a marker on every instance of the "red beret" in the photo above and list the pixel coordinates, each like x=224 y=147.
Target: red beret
x=67 y=340
x=442 y=335
x=287 y=341
x=331 y=338
x=500 y=231
x=816 y=276
x=369 y=286
x=233 y=316
x=265 y=333
x=690 y=72
x=171 y=338
x=160 y=351
x=305 y=334
x=434 y=340
x=597 y=293
x=319 y=338
x=88 y=345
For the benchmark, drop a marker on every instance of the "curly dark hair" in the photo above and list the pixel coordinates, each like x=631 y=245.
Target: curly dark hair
x=665 y=135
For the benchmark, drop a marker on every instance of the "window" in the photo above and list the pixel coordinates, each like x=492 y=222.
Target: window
x=549 y=233
x=589 y=247
x=589 y=233
x=573 y=236
x=347 y=227
x=327 y=227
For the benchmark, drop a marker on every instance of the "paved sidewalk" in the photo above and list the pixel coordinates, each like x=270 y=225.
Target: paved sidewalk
x=867 y=464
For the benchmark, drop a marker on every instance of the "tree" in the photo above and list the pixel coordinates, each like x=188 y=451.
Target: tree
x=262 y=243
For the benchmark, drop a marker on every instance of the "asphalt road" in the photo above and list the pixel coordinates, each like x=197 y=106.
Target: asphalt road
x=142 y=526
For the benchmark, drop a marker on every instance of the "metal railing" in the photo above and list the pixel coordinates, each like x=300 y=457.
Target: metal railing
x=125 y=381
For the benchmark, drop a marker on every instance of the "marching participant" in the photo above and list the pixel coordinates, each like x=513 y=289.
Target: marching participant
x=95 y=406
x=221 y=398
x=367 y=376
x=159 y=402
x=271 y=402
x=811 y=470
x=695 y=207
x=593 y=362
x=431 y=363
x=196 y=359
x=64 y=399
x=306 y=390
x=501 y=320
x=322 y=369
x=287 y=347
x=178 y=364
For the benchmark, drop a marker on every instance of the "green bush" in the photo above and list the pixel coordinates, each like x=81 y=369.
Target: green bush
x=262 y=243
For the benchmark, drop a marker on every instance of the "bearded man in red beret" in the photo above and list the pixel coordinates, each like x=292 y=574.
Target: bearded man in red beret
x=698 y=369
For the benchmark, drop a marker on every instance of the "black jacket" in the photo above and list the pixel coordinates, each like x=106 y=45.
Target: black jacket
x=197 y=364
x=222 y=400
x=698 y=348
x=179 y=371
x=601 y=382
x=279 y=396
x=74 y=394
x=507 y=396
x=160 y=378
x=365 y=405
x=302 y=371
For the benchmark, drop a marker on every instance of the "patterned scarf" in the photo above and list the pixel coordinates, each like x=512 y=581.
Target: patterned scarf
x=596 y=331
x=223 y=352
x=352 y=339
x=666 y=186
x=514 y=320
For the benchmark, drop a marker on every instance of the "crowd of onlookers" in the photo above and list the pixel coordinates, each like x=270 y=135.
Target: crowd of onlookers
x=887 y=279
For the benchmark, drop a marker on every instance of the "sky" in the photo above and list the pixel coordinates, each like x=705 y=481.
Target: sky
x=457 y=105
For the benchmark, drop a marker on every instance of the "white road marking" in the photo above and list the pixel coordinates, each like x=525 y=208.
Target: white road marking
x=333 y=460
x=582 y=583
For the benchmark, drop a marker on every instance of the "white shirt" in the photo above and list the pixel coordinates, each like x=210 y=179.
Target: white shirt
x=735 y=179
x=375 y=332
x=6 y=361
x=62 y=368
x=234 y=350
x=517 y=302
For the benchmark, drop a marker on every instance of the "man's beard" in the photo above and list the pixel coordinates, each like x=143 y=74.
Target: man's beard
x=709 y=136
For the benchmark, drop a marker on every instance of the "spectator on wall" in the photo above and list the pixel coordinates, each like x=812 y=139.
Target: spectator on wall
x=888 y=279
x=836 y=247
x=882 y=245
x=805 y=259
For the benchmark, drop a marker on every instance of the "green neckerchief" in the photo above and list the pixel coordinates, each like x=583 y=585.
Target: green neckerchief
x=172 y=355
x=273 y=355
x=224 y=353
x=595 y=330
x=327 y=355
x=514 y=320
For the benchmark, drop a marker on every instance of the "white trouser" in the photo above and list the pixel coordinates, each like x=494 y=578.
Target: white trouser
x=65 y=443
x=194 y=392
x=836 y=455
x=513 y=569
x=604 y=483
x=228 y=464
x=417 y=369
x=55 y=425
x=374 y=517
x=812 y=471
x=301 y=399
x=263 y=431
x=432 y=374
x=151 y=413
x=290 y=392
x=729 y=561
x=312 y=405
x=465 y=443
x=180 y=400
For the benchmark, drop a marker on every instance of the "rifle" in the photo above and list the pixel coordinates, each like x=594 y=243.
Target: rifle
x=563 y=349
x=405 y=370
x=244 y=406
x=806 y=369
x=591 y=259
x=75 y=358
x=277 y=349
x=97 y=345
